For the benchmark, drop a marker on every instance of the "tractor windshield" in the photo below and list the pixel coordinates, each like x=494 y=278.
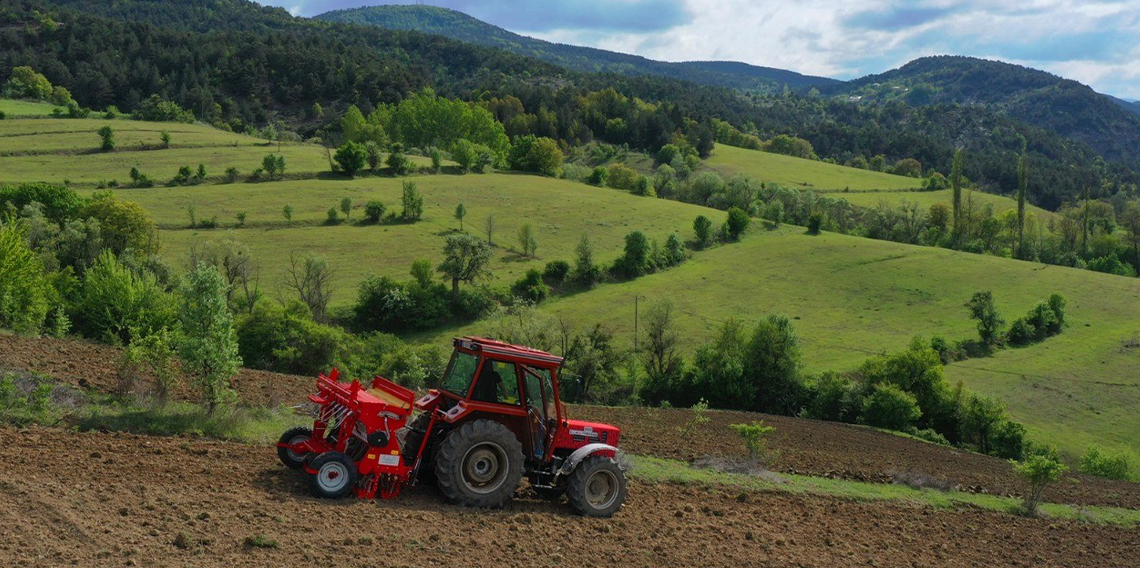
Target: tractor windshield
x=460 y=371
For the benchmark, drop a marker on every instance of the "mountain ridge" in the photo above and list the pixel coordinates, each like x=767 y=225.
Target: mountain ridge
x=460 y=26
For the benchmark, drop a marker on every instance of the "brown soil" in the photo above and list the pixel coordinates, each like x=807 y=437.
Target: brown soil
x=838 y=450
x=803 y=446
x=92 y=499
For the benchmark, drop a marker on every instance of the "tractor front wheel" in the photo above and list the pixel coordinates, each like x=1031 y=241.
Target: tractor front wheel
x=291 y=459
x=335 y=475
x=479 y=465
x=597 y=487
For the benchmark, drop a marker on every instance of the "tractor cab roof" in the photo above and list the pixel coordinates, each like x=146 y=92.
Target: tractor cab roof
x=521 y=353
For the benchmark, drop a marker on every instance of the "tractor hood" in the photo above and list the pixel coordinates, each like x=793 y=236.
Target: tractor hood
x=578 y=433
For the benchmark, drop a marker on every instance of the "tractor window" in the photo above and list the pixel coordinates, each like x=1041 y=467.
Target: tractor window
x=459 y=373
x=498 y=382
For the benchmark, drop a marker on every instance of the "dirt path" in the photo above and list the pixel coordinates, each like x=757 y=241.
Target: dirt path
x=122 y=500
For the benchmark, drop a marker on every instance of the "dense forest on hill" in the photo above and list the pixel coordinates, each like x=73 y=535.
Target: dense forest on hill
x=1060 y=105
x=238 y=65
x=460 y=26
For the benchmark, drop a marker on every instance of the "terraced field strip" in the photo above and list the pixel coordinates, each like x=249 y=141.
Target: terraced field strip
x=801 y=173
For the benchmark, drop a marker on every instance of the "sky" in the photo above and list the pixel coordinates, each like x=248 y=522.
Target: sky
x=1092 y=41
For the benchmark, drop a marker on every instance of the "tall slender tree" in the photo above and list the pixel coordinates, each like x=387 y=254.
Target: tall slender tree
x=956 y=187
x=1022 y=187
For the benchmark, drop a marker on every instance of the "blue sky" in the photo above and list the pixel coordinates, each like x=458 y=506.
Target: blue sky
x=1092 y=41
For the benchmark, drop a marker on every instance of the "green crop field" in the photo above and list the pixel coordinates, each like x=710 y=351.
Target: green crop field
x=559 y=211
x=851 y=297
x=802 y=174
x=14 y=108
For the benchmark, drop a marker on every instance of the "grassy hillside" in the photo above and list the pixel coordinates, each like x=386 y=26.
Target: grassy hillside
x=925 y=199
x=16 y=108
x=559 y=211
x=852 y=297
x=802 y=174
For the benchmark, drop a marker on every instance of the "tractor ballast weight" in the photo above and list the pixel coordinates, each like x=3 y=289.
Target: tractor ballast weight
x=496 y=416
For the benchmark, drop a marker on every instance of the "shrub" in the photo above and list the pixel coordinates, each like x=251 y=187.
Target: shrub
x=240 y=216
x=536 y=154
x=755 y=436
x=287 y=212
x=398 y=162
x=1042 y=319
x=1057 y=304
x=621 y=176
x=981 y=307
x=351 y=157
x=383 y=304
x=24 y=290
x=107 y=137
x=636 y=259
x=702 y=228
x=531 y=287
x=116 y=305
x=1094 y=462
x=156 y=109
x=208 y=346
x=698 y=416
x=1039 y=471
x=1021 y=332
x=374 y=211
x=598 y=176
x=333 y=217
x=736 y=223
x=413 y=203
x=888 y=406
x=815 y=223
x=833 y=398
x=556 y=271
x=288 y=340
x=231 y=174
x=59 y=202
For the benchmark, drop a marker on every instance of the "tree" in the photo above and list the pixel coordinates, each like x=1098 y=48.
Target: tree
x=736 y=223
x=208 y=347
x=1130 y=219
x=527 y=240
x=269 y=164
x=585 y=272
x=592 y=360
x=1022 y=188
x=540 y=155
x=24 y=291
x=460 y=213
x=413 y=203
x=489 y=226
x=164 y=136
x=373 y=211
x=346 y=207
x=956 y=188
x=467 y=258
x=26 y=83
x=702 y=227
x=124 y=225
x=636 y=259
x=351 y=157
x=107 y=134
x=287 y=211
x=373 y=151
x=310 y=277
x=201 y=174
x=888 y=406
x=981 y=307
x=772 y=362
x=398 y=162
x=909 y=167
x=1039 y=471
x=660 y=354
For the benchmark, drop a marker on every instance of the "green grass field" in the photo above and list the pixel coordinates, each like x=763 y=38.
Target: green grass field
x=39 y=135
x=14 y=108
x=925 y=199
x=802 y=174
x=559 y=211
x=851 y=297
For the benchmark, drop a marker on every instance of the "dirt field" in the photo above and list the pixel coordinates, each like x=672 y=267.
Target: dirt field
x=803 y=446
x=122 y=500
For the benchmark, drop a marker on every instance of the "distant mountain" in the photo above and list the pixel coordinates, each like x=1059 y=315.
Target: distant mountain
x=1073 y=110
x=460 y=26
x=1131 y=106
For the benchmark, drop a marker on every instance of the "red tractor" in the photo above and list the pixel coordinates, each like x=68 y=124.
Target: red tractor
x=495 y=417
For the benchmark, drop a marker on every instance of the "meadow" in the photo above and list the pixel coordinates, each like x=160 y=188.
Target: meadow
x=925 y=199
x=14 y=108
x=800 y=173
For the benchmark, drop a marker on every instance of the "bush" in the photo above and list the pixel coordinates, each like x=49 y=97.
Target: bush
x=288 y=340
x=24 y=291
x=702 y=228
x=1094 y=462
x=981 y=307
x=815 y=223
x=1042 y=319
x=125 y=226
x=1021 y=332
x=59 y=202
x=383 y=304
x=333 y=217
x=114 y=304
x=534 y=154
x=888 y=406
x=398 y=162
x=636 y=259
x=156 y=109
x=350 y=157
x=556 y=272
x=755 y=436
x=1039 y=472
x=208 y=346
x=413 y=203
x=736 y=223
x=598 y=176
x=833 y=397
x=374 y=211
x=621 y=176
x=1057 y=304
x=531 y=287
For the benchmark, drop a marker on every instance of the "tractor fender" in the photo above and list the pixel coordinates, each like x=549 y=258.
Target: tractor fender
x=583 y=453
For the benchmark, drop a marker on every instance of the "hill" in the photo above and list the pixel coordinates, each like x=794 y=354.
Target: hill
x=802 y=173
x=460 y=26
x=1060 y=105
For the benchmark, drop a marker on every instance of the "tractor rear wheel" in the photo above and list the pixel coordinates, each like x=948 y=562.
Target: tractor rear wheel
x=291 y=459
x=336 y=475
x=597 y=487
x=479 y=465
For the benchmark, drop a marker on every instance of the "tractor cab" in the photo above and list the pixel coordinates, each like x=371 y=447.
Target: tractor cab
x=495 y=417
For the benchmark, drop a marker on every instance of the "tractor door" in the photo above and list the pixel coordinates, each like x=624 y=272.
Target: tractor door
x=541 y=416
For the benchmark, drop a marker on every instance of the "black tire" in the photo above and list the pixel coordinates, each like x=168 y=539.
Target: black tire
x=479 y=465
x=336 y=475
x=597 y=487
x=293 y=436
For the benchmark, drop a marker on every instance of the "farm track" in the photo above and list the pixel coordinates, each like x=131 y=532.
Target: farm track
x=807 y=447
x=94 y=499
